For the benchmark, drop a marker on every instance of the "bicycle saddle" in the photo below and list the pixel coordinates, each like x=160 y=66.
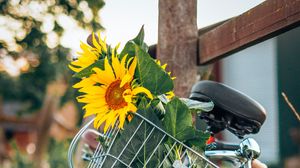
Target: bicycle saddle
x=233 y=110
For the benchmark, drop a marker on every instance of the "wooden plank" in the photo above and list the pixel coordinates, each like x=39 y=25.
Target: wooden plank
x=260 y=23
x=15 y=123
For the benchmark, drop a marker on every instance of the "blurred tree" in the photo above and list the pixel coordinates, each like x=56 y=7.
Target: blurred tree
x=31 y=54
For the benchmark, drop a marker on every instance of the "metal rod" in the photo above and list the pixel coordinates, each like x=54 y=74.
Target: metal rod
x=107 y=143
x=142 y=146
x=124 y=148
x=100 y=147
x=183 y=154
x=170 y=136
x=75 y=141
x=162 y=162
x=114 y=158
x=194 y=161
x=110 y=146
x=155 y=149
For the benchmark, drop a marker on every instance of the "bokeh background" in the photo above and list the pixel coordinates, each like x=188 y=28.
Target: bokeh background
x=38 y=38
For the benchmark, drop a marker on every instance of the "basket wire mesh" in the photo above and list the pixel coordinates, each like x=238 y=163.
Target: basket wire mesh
x=113 y=153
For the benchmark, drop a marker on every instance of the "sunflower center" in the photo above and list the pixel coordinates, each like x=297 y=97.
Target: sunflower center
x=114 y=95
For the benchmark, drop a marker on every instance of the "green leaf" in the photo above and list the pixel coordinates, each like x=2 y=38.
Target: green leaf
x=198 y=106
x=178 y=122
x=177 y=119
x=139 y=39
x=89 y=70
x=196 y=137
x=151 y=75
x=129 y=47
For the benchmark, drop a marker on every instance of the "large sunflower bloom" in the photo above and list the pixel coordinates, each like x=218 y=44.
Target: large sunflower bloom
x=110 y=93
x=89 y=54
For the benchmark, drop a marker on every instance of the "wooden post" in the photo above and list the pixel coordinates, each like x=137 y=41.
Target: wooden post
x=177 y=42
x=51 y=103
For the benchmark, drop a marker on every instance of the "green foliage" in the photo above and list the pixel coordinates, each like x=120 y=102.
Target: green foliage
x=57 y=153
x=130 y=46
x=20 y=160
x=178 y=122
x=178 y=119
x=151 y=75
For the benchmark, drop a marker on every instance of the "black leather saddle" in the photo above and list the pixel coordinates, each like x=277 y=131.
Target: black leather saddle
x=233 y=110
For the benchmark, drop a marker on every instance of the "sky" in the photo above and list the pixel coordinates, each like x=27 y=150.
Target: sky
x=123 y=19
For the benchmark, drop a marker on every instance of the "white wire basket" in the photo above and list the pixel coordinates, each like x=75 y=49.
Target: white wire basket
x=142 y=145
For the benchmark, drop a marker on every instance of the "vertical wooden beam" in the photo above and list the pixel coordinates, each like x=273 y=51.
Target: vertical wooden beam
x=54 y=92
x=177 y=41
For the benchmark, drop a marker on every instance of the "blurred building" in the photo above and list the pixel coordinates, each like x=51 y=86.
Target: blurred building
x=263 y=71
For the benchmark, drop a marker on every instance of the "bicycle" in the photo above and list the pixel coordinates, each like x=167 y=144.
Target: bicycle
x=232 y=110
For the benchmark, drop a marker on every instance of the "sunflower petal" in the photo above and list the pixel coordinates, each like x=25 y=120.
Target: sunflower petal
x=74 y=69
x=108 y=68
x=138 y=90
x=122 y=117
x=132 y=107
x=116 y=65
x=127 y=95
x=106 y=78
x=95 y=42
x=84 y=82
x=95 y=111
x=133 y=66
x=126 y=79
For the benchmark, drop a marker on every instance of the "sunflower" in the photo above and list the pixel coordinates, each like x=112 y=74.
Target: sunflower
x=89 y=54
x=111 y=93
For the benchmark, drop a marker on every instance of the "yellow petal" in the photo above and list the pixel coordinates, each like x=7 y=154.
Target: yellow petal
x=95 y=111
x=98 y=117
x=116 y=65
x=132 y=107
x=95 y=105
x=74 y=69
x=138 y=90
x=117 y=46
x=133 y=66
x=95 y=42
x=126 y=79
x=129 y=60
x=122 y=117
x=108 y=68
x=123 y=61
x=102 y=43
x=84 y=82
x=170 y=95
x=89 y=98
x=105 y=77
x=93 y=90
x=127 y=95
